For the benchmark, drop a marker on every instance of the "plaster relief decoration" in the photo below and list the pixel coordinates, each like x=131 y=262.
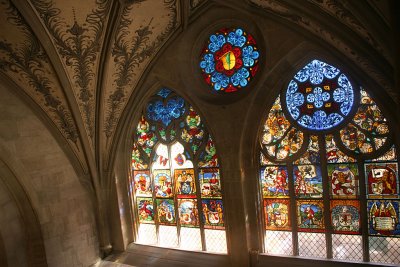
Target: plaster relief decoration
x=77 y=33
x=24 y=61
x=196 y=3
x=317 y=28
x=340 y=11
x=144 y=27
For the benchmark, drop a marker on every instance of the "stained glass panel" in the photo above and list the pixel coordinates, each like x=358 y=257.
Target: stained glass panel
x=277 y=216
x=276 y=124
x=310 y=215
x=188 y=213
x=383 y=217
x=193 y=132
x=161 y=158
x=210 y=183
x=208 y=157
x=166 y=111
x=166 y=211
x=319 y=97
x=355 y=140
x=145 y=210
x=229 y=60
x=312 y=245
x=264 y=161
x=307 y=181
x=162 y=183
x=142 y=181
x=345 y=216
x=278 y=243
x=343 y=180
x=146 y=137
x=213 y=213
x=138 y=163
x=333 y=154
x=180 y=158
x=311 y=156
x=390 y=155
x=274 y=181
x=185 y=186
x=382 y=180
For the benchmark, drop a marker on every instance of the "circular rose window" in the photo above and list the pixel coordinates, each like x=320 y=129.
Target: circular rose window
x=229 y=60
x=319 y=97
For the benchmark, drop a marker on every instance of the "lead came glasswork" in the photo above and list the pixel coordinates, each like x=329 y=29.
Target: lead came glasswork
x=229 y=60
x=319 y=98
x=173 y=154
x=312 y=134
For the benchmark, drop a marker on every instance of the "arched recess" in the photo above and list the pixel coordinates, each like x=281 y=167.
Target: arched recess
x=26 y=246
x=175 y=183
x=302 y=198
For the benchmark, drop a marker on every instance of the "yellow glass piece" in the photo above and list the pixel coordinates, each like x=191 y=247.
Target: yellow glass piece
x=328 y=105
x=228 y=60
x=308 y=89
x=310 y=106
x=327 y=88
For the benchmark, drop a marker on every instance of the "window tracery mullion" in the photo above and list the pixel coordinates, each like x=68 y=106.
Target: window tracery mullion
x=326 y=197
x=363 y=210
x=293 y=208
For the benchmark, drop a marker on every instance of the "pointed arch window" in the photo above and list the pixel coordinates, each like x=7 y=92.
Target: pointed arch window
x=329 y=172
x=175 y=183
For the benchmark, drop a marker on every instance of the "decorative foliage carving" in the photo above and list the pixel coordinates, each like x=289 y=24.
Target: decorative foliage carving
x=314 y=27
x=129 y=54
x=29 y=61
x=79 y=45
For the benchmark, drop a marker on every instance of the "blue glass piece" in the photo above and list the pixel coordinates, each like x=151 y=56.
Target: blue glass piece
x=164 y=92
x=208 y=63
x=316 y=71
x=220 y=80
x=172 y=110
x=319 y=98
x=249 y=55
x=216 y=42
x=240 y=77
x=236 y=38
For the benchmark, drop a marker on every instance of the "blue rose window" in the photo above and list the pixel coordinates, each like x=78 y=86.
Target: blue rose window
x=319 y=97
x=229 y=60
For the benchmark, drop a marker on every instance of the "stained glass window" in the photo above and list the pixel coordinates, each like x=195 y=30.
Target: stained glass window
x=329 y=171
x=229 y=60
x=175 y=184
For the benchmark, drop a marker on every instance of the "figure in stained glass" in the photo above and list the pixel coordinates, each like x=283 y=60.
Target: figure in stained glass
x=277 y=214
x=166 y=211
x=229 y=60
x=208 y=157
x=345 y=216
x=307 y=181
x=210 y=183
x=142 y=183
x=383 y=217
x=311 y=156
x=145 y=210
x=274 y=181
x=138 y=163
x=146 y=138
x=310 y=215
x=382 y=179
x=184 y=183
x=193 y=133
x=344 y=180
x=333 y=154
x=188 y=213
x=162 y=183
x=213 y=211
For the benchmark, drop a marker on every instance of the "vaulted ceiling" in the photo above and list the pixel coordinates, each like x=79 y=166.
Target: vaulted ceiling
x=79 y=61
